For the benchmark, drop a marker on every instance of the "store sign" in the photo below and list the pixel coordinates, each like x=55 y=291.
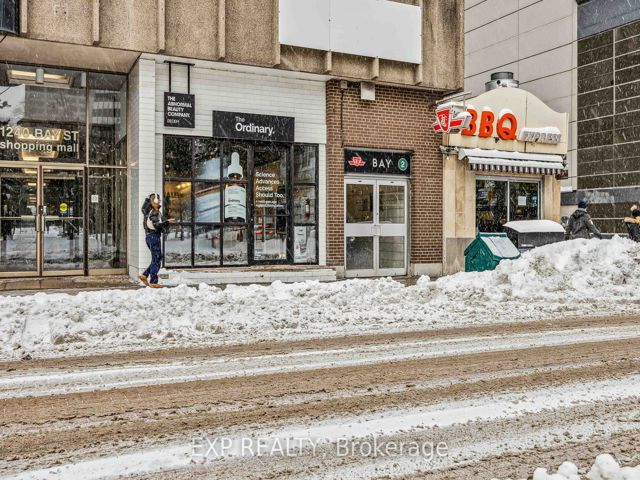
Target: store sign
x=40 y=143
x=251 y=126
x=377 y=162
x=179 y=110
x=449 y=118
x=485 y=124
x=510 y=119
x=540 y=135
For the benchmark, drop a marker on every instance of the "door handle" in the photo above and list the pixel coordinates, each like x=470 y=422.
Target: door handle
x=40 y=219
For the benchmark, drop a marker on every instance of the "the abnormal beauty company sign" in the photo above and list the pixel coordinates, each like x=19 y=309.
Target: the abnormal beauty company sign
x=251 y=126
x=179 y=110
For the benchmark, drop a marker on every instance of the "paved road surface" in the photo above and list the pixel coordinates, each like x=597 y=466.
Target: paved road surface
x=480 y=402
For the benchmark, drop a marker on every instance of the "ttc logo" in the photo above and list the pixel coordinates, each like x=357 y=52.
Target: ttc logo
x=446 y=121
x=356 y=162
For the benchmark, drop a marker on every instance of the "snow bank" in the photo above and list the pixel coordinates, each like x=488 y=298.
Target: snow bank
x=604 y=468
x=579 y=277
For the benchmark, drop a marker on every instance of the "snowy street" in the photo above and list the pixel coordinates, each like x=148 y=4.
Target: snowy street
x=320 y=239
x=477 y=375
x=504 y=399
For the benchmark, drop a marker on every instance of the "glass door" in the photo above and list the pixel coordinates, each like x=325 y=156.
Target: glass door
x=392 y=227
x=41 y=220
x=376 y=227
x=360 y=227
x=270 y=205
x=62 y=211
x=18 y=221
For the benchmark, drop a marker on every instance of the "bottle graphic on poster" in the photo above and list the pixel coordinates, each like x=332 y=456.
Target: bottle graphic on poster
x=307 y=208
x=235 y=196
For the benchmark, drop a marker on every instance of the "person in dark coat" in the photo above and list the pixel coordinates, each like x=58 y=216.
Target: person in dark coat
x=580 y=224
x=633 y=224
x=154 y=224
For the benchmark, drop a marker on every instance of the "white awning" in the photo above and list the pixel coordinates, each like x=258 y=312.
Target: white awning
x=512 y=162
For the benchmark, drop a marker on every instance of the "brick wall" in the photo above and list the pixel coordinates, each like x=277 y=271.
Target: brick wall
x=399 y=119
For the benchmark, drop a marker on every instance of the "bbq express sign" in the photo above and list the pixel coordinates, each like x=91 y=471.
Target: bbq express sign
x=509 y=119
x=486 y=124
x=380 y=162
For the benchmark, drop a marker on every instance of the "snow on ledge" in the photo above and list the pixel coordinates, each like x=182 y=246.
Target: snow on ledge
x=532 y=226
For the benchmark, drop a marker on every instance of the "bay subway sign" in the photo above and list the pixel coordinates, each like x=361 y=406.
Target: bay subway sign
x=377 y=162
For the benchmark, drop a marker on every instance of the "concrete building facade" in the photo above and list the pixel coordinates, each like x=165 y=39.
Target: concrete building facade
x=537 y=41
x=580 y=57
x=253 y=119
x=608 y=109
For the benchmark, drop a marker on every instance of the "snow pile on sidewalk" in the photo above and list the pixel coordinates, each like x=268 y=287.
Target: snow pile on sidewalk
x=578 y=269
x=604 y=468
x=580 y=277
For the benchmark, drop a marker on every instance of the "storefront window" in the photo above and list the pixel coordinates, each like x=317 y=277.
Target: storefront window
x=270 y=214
x=235 y=246
x=50 y=117
x=206 y=245
x=107 y=111
x=500 y=201
x=177 y=246
x=177 y=203
x=305 y=214
x=523 y=201
x=211 y=187
x=43 y=114
x=206 y=160
x=177 y=157
x=107 y=218
x=207 y=202
x=235 y=161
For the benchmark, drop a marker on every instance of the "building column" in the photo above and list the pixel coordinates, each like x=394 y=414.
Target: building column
x=551 y=198
x=459 y=212
x=144 y=176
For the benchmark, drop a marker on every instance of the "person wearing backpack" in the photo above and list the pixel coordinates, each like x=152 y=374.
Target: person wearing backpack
x=580 y=224
x=154 y=226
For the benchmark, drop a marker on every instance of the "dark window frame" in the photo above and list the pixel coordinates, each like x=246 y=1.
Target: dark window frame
x=14 y=28
x=248 y=225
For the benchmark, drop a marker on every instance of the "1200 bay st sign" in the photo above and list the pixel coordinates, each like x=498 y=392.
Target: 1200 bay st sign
x=33 y=143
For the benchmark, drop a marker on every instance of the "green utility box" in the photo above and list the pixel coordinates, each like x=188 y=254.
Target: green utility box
x=486 y=251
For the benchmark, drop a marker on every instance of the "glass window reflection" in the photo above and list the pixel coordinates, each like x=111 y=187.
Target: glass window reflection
x=177 y=203
x=207 y=159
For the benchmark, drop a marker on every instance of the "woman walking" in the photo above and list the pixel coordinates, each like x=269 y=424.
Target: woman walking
x=154 y=224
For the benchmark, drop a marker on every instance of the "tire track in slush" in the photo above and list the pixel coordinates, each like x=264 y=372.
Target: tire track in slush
x=57 y=382
x=484 y=390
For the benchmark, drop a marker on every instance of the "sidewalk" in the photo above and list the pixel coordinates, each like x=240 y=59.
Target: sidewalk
x=73 y=285
x=32 y=285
